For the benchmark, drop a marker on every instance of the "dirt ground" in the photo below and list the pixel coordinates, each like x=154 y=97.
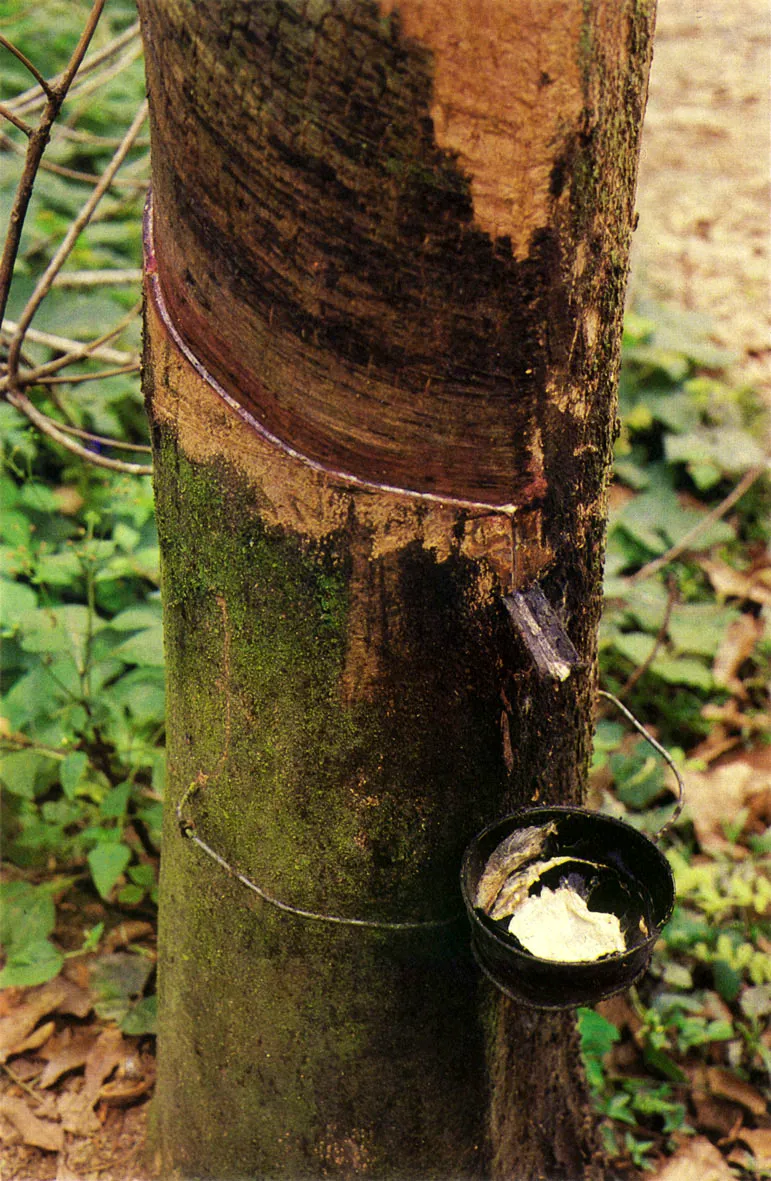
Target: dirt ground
x=704 y=189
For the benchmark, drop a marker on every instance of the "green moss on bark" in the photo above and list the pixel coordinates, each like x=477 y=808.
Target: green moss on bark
x=347 y=1041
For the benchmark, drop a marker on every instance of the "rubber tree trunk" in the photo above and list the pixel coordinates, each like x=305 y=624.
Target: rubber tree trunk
x=386 y=264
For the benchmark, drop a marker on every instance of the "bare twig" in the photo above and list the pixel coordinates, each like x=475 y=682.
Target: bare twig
x=28 y=65
x=20 y=740
x=19 y=1082
x=43 y=285
x=666 y=756
x=79 y=378
x=32 y=99
x=75 y=349
x=54 y=431
x=96 y=141
x=86 y=86
x=119 y=182
x=98 y=278
x=61 y=433
x=661 y=636
x=104 y=440
x=685 y=543
x=80 y=352
x=60 y=169
x=8 y=114
x=36 y=146
x=62 y=85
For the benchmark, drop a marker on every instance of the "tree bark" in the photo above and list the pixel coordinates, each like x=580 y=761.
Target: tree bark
x=385 y=275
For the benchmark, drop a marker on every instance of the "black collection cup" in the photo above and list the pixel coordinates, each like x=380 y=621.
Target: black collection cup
x=623 y=873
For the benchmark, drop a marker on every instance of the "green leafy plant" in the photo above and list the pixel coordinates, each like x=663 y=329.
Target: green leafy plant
x=27 y=920
x=119 y=982
x=82 y=761
x=625 y=1103
x=708 y=992
x=685 y=439
x=81 y=716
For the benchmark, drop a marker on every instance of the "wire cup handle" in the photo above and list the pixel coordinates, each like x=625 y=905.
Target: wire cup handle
x=541 y=629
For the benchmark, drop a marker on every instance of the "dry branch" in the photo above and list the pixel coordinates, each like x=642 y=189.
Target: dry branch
x=687 y=542
x=54 y=431
x=31 y=100
x=45 y=282
x=53 y=98
x=77 y=349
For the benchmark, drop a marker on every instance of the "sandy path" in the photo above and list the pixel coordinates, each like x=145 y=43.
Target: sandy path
x=704 y=190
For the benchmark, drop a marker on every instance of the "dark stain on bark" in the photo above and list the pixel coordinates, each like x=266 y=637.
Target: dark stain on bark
x=371 y=1039
x=356 y=248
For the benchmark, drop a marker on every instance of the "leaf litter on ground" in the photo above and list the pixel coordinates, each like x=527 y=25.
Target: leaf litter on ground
x=64 y=1080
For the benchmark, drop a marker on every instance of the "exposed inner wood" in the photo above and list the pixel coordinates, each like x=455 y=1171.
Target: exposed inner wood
x=293 y=495
x=494 y=65
x=374 y=270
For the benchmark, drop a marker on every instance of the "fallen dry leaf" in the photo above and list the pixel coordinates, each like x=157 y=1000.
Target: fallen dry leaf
x=37 y=1003
x=730 y=715
x=718 y=742
x=727 y=1086
x=64 y=1172
x=759 y=759
x=59 y=995
x=78 y=970
x=9 y=997
x=736 y=585
x=760 y=810
x=124 y=1091
x=720 y=793
x=737 y=1156
x=715 y=1008
x=129 y=931
x=697 y=1160
x=77 y=1113
x=25 y=1068
x=619 y=1011
x=737 y=645
x=77 y=1108
x=717 y=1115
x=758 y=1140
x=36 y=1039
x=714 y=796
x=66 y=1052
x=36 y=1132
x=77 y=999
